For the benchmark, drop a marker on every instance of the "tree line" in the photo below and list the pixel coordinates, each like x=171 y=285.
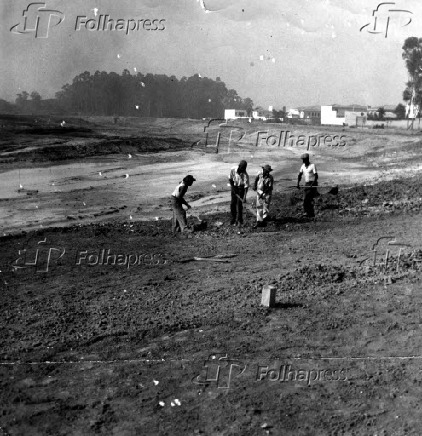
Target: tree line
x=126 y=94
x=150 y=95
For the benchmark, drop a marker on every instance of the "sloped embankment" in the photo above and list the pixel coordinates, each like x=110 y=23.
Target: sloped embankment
x=94 y=147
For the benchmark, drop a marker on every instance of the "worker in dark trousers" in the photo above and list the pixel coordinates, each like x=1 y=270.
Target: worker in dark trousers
x=309 y=172
x=239 y=182
x=263 y=185
x=179 y=221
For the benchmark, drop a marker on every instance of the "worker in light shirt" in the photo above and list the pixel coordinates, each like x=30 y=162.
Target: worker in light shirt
x=309 y=172
x=263 y=186
x=179 y=221
x=239 y=182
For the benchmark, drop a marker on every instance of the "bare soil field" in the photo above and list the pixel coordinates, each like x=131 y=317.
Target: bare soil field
x=111 y=326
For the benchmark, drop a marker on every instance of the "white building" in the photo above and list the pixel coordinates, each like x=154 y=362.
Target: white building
x=337 y=115
x=233 y=114
x=294 y=113
x=259 y=115
x=262 y=115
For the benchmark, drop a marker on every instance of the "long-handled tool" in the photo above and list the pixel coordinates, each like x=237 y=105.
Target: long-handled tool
x=241 y=199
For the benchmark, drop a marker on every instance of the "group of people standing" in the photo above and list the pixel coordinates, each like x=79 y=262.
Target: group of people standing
x=263 y=185
x=239 y=183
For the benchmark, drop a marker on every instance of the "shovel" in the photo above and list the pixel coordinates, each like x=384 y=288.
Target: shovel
x=202 y=224
x=196 y=216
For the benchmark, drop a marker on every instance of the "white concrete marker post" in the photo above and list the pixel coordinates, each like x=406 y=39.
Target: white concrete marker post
x=268 y=296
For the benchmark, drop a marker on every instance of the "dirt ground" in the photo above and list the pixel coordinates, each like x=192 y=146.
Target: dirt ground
x=109 y=326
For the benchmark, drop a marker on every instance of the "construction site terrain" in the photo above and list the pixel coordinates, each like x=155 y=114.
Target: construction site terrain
x=113 y=325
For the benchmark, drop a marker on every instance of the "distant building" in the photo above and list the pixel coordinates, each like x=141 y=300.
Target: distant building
x=388 y=108
x=262 y=114
x=311 y=114
x=390 y=111
x=233 y=114
x=293 y=113
x=340 y=115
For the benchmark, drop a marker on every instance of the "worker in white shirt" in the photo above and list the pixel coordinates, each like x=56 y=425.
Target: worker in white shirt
x=179 y=221
x=239 y=182
x=309 y=172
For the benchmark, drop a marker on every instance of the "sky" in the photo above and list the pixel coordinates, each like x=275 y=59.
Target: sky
x=277 y=52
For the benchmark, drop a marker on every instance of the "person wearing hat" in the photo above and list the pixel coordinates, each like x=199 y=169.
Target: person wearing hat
x=179 y=221
x=239 y=182
x=309 y=172
x=263 y=186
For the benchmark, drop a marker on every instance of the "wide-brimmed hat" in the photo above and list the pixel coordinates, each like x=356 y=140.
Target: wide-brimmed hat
x=305 y=156
x=267 y=168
